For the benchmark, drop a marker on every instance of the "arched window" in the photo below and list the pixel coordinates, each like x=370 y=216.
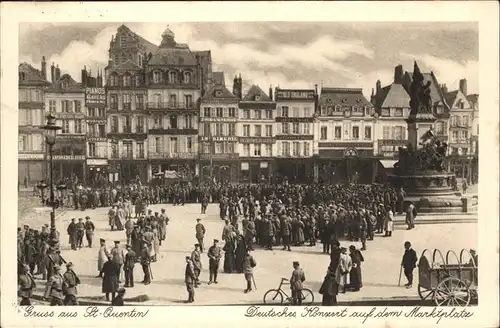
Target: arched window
x=187 y=77
x=138 y=80
x=156 y=76
x=172 y=77
x=127 y=80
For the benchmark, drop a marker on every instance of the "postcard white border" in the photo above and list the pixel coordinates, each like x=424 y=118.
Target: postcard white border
x=485 y=13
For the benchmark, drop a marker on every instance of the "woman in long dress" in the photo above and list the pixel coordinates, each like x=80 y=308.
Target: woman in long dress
x=229 y=257
x=355 y=274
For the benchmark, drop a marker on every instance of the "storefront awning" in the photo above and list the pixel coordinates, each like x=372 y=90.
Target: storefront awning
x=388 y=163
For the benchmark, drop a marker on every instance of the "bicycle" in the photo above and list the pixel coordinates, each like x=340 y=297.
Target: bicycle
x=277 y=296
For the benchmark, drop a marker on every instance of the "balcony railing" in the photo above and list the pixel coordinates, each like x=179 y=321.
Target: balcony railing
x=171 y=105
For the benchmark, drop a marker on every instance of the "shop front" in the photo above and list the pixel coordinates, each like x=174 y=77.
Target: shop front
x=69 y=167
x=347 y=165
x=128 y=171
x=97 y=172
x=464 y=166
x=294 y=170
x=221 y=168
x=31 y=168
x=182 y=163
x=256 y=170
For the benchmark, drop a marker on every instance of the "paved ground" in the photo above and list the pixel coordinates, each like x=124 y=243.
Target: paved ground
x=380 y=270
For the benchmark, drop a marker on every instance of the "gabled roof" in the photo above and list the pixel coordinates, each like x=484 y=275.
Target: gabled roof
x=394 y=95
x=148 y=46
x=31 y=74
x=474 y=98
x=450 y=97
x=254 y=91
x=72 y=85
x=218 y=78
x=218 y=92
x=343 y=97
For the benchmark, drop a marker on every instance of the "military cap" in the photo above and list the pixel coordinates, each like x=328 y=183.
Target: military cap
x=80 y=219
x=352 y=247
x=26 y=226
x=196 y=245
x=102 y=240
x=198 y=219
x=296 y=263
x=216 y=240
x=117 y=242
x=69 y=264
x=87 y=218
x=188 y=257
x=46 y=225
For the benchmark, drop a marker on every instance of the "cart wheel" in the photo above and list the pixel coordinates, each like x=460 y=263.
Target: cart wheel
x=273 y=296
x=452 y=292
x=307 y=296
x=424 y=293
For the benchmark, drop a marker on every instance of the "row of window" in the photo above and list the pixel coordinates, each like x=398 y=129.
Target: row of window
x=329 y=110
x=295 y=149
x=31 y=117
x=265 y=150
x=30 y=95
x=174 y=145
x=126 y=80
x=285 y=111
x=127 y=150
x=173 y=77
x=295 y=128
x=393 y=133
x=218 y=148
x=257 y=130
x=338 y=133
x=459 y=136
x=257 y=114
x=126 y=102
x=30 y=142
x=126 y=121
x=65 y=106
x=172 y=101
x=218 y=129
x=457 y=120
x=175 y=121
x=219 y=112
x=397 y=112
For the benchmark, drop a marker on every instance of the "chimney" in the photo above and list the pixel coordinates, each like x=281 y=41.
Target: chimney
x=463 y=86
x=444 y=88
x=240 y=87
x=315 y=89
x=378 y=86
x=99 y=79
x=84 y=76
x=58 y=72
x=44 y=68
x=235 y=85
x=271 y=92
x=398 y=74
x=53 y=74
x=276 y=88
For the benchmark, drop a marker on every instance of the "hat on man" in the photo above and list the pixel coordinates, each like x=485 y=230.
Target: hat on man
x=188 y=257
x=196 y=245
x=46 y=225
x=69 y=264
x=102 y=240
x=296 y=263
x=80 y=219
x=116 y=242
x=352 y=247
x=87 y=218
x=216 y=240
x=128 y=246
x=198 y=219
x=26 y=226
x=73 y=219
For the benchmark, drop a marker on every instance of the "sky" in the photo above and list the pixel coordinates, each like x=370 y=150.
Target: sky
x=284 y=54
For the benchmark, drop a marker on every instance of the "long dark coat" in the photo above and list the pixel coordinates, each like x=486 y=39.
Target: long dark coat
x=229 y=257
x=110 y=284
x=355 y=274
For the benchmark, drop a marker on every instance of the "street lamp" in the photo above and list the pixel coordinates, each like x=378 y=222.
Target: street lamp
x=50 y=140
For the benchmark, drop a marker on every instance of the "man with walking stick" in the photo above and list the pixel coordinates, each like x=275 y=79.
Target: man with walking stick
x=408 y=263
x=248 y=265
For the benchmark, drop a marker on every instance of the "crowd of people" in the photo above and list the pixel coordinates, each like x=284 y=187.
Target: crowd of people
x=262 y=215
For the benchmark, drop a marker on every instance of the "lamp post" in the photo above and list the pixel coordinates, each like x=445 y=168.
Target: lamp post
x=50 y=140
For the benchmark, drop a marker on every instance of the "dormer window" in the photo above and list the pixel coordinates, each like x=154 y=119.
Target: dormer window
x=344 y=100
x=64 y=85
x=218 y=93
x=187 y=77
x=257 y=97
x=127 y=80
x=338 y=108
x=328 y=100
x=138 y=80
x=359 y=101
x=22 y=76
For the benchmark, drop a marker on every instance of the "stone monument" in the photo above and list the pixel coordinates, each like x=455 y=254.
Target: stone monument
x=420 y=170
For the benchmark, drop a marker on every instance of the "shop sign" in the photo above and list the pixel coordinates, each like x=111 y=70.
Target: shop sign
x=97 y=162
x=292 y=137
x=392 y=142
x=257 y=140
x=28 y=156
x=218 y=119
x=282 y=119
x=95 y=97
x=60 y=115
x=345 y=144
x=219 y=139
x=219 y=156
x=264 y=165
x=69 y=157
x=172 y=155
x=96 y=139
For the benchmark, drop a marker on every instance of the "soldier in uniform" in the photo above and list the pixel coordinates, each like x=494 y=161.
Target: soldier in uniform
x=286 y=228
x=145 y=263
x=89 y=230
x=129 y=226
x=296 y=280
x=196 y=259
x=54 y=288
x=71 y=280
x=117 y=257
x=80 y=232
x=200 y=233
x=362 y=231
x=111 y=217
x=189 y=279
x=204 y=204
x=110 y=272
x=26 y=284
x=73 y=238
x=52 y=260
x=248 y=265
x=102 y=256
x=214 y=255
x=128 y=266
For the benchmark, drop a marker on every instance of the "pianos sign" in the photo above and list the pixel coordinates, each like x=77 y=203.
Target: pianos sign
x=95 y=97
